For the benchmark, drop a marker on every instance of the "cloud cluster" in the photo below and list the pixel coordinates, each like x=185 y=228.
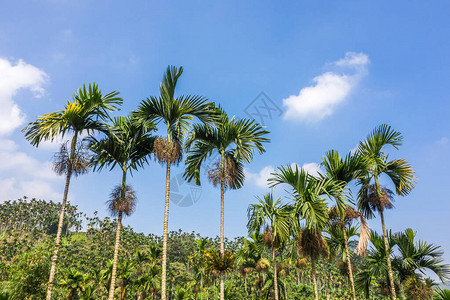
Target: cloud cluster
x=260 y=178
x=315 y=102
x=14 y=77
x=20 y=173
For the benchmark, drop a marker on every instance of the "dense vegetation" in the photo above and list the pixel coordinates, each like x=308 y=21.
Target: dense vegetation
x=316 y=245
x=28 y=230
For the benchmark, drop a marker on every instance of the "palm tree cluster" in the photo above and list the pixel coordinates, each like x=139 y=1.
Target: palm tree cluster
x=129 y=142
x=321 y=221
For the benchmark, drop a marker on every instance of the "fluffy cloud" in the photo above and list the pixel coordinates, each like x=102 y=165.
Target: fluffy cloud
x=21 y=174
x=14 y=77
x=315 y=102
x=260 y=178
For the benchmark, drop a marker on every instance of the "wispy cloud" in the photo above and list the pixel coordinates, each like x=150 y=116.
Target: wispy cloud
x=315 y=102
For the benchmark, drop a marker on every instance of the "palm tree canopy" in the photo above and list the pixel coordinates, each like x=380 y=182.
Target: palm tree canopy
x=418 y=256
x=308 y=194
x=375 y=160
x=85 y=112
x=126 y=144
x=236 y=139
x=271 y=216
x=175 y=113
x=342 y=169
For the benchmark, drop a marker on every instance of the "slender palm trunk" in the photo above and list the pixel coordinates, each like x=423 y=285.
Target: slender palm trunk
x=112 y=286
x=313 y=271
x=349 y=264
x=275 y=275
x=222 y=245
x=386 y=246
x=165 y=236
x=388 y=258
x=61 y=218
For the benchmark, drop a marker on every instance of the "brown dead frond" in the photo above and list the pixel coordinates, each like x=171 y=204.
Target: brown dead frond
x=301 y=263
x=349 y=214
x=118 y=204
x=268 y=237
x=382 y=201
x=343 y=268
x=80 y=162
x=230 y=173
x=262 y=265
x=311 y=243
x=167 y=151
x=364 y=237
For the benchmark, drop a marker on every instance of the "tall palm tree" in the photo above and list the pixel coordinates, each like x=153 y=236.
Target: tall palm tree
x=128 y=146
x=310 y=205
x=275 y=220
x=371 y=196
x=235 y=141
x=176 y=113
x=85 y=113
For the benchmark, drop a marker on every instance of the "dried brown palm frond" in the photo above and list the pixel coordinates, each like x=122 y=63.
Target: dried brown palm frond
x=80 y=163
x=364 y=236
x=167 y=151
x=262 y=265
x=268 y=237
x=343 y=267
x=301 y=263
x=379 y=202
x=118 y=204
x=283 y=269
x=348 y=215
x=385 y=289
x=311 y=243
x=230 y=174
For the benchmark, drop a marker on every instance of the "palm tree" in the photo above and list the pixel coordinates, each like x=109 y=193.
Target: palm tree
x=235 y=141
x=85 y=113
x=275 y=220
x=176 y=114
x=309 y=204
x=371 y=196
x=412 y=260
x=128 y=146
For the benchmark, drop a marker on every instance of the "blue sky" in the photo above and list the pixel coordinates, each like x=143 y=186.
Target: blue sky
x=335 y=69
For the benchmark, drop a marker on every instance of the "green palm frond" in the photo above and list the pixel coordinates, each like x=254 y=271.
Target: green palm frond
x=126 y=144
x=235 y=142
x=88 y=108
x=176 y=113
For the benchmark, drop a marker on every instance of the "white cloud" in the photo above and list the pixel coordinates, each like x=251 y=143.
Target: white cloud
x=23 y=175
x=260 y=178
x=20 y=174
x=315 y=102
x=312 y=168
x=14 y=77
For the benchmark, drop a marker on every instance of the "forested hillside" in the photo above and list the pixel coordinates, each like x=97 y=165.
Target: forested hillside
x=27 y=233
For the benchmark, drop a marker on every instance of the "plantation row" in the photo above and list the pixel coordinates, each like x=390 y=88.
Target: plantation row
x=301 y=235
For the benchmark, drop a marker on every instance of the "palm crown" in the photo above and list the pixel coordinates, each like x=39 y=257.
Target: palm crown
x=235 y=140
x=126 y=144
x=175 y=113
x=88 y=108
